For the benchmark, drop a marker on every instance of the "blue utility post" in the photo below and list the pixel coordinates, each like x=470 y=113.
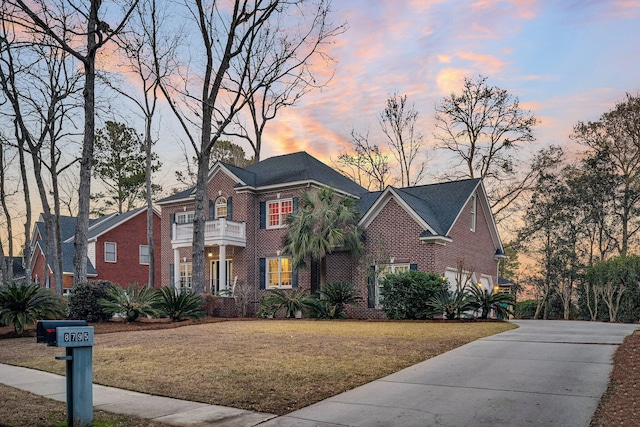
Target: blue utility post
x=78 y=340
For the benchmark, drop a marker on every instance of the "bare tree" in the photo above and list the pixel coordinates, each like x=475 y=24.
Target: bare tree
x=149 y=60
x=61 y=21
x=238 y=61
x=398 y=123
x=42 y=95
x=279 y=70
x=483 y=126
x=616 y=138
x=368 y=165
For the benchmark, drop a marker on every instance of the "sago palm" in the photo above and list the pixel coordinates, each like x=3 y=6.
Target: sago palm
x=22 y=304
x=324 y=223
x=485 y=300
x=132 y=303
x=180 y=304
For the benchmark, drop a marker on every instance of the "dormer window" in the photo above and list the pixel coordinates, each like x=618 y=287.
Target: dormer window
x=221 y=207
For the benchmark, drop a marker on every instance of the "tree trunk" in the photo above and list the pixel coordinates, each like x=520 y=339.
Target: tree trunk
x=148 y=153
x=84 y=192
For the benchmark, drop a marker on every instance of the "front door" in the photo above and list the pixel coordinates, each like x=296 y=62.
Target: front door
x=218 y=283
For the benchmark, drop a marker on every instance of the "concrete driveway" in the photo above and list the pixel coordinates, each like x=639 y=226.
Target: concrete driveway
x=545 y=373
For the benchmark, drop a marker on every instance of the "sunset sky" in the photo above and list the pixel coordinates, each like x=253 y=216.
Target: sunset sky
x=566 y=60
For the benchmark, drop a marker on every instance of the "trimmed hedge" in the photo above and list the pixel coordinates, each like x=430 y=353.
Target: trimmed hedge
x=406 y=295
x=83 y=301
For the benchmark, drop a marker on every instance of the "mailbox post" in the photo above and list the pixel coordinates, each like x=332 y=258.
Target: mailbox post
x=77 y=338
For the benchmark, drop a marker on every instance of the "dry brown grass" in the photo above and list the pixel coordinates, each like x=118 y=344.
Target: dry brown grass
x=273 y=366
x=23 y=409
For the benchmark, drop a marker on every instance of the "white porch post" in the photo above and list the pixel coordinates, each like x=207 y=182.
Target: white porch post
x=176 y=268
x=223 y=267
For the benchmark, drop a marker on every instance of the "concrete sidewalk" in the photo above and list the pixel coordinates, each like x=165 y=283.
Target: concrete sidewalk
x=157 y=408
x=550 y=373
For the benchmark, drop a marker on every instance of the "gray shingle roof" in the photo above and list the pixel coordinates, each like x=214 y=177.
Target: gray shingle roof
x=300 y=166
x=285 y=169
x=439 y=204
x=111 y=221
x=436 y=204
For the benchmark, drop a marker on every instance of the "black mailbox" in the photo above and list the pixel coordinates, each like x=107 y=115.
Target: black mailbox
x=46 y=329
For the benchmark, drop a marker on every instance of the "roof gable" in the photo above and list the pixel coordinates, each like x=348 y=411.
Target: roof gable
x=436 y=207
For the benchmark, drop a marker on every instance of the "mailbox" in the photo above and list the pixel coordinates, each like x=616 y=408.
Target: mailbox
x=46 y=329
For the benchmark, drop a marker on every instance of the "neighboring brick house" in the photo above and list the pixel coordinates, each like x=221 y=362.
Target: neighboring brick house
x=430 y=228
x=117 y=250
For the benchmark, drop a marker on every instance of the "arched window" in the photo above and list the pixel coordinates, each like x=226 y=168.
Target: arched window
x=221 y=207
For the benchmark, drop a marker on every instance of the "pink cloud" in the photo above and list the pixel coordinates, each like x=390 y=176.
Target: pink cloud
x=487 y=63
x=450 y=80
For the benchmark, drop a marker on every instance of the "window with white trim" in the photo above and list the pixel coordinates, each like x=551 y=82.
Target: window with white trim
x=110 y=252
x=279 y=272
x=144 y=254
x=277 y=211
x=185 y=271
x=473 y=213
x=221 y=207
x=382 y=271
x=184 y=217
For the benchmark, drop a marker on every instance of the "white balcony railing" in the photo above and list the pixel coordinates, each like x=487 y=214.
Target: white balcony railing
x=216 y=232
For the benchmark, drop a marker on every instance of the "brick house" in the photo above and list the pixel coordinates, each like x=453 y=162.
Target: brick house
x=117 y=250
x=430 y=228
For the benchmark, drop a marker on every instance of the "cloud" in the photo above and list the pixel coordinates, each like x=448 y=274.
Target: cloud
x=489 y=64
x=450 y=79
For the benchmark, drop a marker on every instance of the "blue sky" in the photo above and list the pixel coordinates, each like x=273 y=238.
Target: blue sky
x=565 y=60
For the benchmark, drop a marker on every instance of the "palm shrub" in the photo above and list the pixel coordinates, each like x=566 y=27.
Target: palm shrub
x=83 y=301
x=451 y=303
x=132 y=303
x=334 y=297
x=486 y=300
x=406 y=295
x=289 y=300
x=22 y=304
x=180 y=304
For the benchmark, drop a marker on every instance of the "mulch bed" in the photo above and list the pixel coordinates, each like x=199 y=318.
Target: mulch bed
x=121 y=326
x=620 y=404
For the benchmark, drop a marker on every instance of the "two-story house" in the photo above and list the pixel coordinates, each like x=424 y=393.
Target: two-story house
x=430 y=228
x=117 y=250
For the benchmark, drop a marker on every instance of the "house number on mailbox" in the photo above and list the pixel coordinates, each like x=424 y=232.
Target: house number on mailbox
x=76 y=336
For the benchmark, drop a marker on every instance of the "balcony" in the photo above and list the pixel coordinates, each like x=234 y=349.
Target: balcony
x=216 y=232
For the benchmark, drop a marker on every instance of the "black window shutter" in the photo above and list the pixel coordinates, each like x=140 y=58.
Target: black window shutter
x=371 y=287
x=295 y=205
x=294 y=279
x=172 y=274
x=263 y=215
x=212 y=209
x=413 y=267
x=172 y=220
x=230 y=208
x=263 y=273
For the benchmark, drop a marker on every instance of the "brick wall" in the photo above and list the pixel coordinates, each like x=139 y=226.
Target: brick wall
x=128 y=238
x=475 y=249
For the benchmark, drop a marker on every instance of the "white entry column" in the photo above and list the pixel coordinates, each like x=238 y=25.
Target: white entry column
x=176 y=268
x=222 y=267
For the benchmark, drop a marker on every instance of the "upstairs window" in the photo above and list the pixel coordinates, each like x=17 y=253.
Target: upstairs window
x=221 y=207
x=184 y=217
x=277 y=211
x=109 y=252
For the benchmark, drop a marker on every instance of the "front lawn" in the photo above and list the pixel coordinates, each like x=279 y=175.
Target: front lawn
x=273 y=366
